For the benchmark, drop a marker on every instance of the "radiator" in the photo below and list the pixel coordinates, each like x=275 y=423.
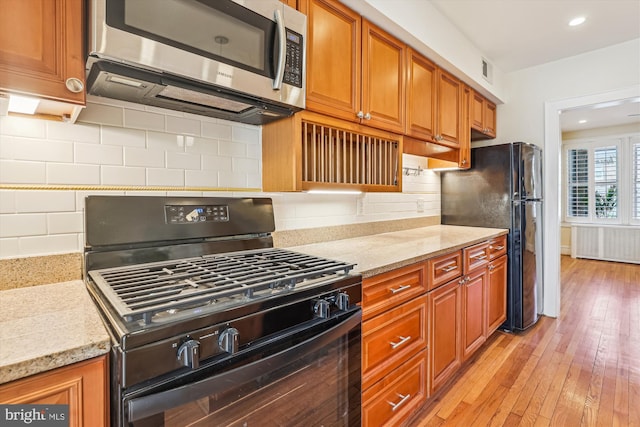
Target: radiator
x=606 y=243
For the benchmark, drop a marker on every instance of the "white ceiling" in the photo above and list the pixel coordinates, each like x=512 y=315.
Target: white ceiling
x=517 y=34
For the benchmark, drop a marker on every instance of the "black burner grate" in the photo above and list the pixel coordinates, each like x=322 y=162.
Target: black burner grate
x=147 y=292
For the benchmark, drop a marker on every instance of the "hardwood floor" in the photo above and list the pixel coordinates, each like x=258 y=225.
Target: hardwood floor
x=581 y=369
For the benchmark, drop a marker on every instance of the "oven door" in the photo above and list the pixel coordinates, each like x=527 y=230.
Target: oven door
x=308 y=377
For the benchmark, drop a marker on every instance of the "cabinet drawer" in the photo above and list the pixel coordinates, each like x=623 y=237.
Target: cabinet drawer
x=497 y=247
x=398 y=395
x=444 y=268
x=390 y=339
x=391 y=289
x=475 y=256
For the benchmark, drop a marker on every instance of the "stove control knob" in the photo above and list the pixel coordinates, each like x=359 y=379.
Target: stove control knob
x=228 y=340
x=342 y=301
x=188 y=354
x=321 y=309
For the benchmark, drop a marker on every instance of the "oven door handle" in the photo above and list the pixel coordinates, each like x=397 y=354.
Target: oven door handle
x=142 y=407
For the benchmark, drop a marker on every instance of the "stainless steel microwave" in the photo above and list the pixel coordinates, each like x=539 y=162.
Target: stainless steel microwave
x=241 y=60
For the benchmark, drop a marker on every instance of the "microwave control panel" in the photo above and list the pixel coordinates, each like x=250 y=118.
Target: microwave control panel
x=293 y=63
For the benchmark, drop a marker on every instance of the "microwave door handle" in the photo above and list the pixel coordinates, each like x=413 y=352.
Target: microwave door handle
x=282 y=54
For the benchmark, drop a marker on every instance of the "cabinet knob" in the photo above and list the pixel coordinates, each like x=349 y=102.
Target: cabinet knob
x=74 y=84
x=360 y=115
x=367 y=116
x=464 y=161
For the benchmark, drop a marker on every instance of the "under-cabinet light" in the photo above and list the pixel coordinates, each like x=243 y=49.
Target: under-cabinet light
x=334 y=192
x=23 y=104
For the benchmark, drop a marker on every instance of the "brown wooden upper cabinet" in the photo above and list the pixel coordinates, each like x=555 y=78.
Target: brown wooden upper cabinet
x=41 y=53
x=292 y=3
x=355 y=70
x=483 y=117
x=434 y=102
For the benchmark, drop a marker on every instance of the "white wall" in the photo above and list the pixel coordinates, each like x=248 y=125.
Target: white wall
x=536 y=95
x=129 y=148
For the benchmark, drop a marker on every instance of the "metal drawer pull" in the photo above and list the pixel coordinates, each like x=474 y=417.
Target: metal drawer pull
x=403 y=399
x=479 y=257
x=449 y=268
x=403 y=340
x=400 y=289
x=498 y=248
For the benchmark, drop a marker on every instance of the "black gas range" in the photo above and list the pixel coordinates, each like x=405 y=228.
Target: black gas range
x=201 y=307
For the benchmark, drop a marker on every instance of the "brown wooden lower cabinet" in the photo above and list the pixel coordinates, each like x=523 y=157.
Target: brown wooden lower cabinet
x=445 y=307
x=82 y=386
x=423 y=321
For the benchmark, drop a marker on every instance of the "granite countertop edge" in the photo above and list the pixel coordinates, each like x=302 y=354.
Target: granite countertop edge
x=380 y=253
x=47 y=327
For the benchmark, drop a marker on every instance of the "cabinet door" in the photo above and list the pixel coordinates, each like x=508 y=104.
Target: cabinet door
x=444 y=333
x=464 y=155
x=333 y=58
x=497 y=294
x=292 y=3
x=474 y=328
x=477 y=111
x=41 y=47
x=83 y=386
x=383 y=79
x=449 y=125
x=421 y=96
x=490 y=119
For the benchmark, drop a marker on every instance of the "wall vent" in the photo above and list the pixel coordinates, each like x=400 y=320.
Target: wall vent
x=487 y=70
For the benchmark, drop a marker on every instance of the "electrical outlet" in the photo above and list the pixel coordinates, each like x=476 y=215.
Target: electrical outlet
x=420 y=205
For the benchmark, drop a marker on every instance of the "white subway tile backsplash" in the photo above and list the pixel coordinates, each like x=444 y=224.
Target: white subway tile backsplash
x=232 y=149
x=165 y=141
x=78 y=132
x=232 y=179
x=245 y=165
x=7 y=201
x=21 y=172
x=134 y=156
x=121 y=175
x=143 y=120
x=254 y=151
x=15 y=225
x=254 y=180
x=61 y=173
x=165 y=177
x=217 y=130
x=122 y=136
x=246 y=134
x=203 y=146
x=101 y=114
x=217 y=163
x=44 y=201
x=98 y=154
x=183 y=161
x=9 y=248
x=63 y=223
x=203 y=178
x=14 y=148
x=22 y=126
x=47 y=245
x=183 y=126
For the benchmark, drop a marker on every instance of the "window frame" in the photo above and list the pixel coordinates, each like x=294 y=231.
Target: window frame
x=625 y=178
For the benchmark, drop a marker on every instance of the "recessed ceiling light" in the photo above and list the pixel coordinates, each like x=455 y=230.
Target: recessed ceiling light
x=583 y=121
x=577 y=21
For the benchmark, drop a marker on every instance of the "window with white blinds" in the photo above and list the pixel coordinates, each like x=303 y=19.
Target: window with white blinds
x=578 y=191
x=602 y=180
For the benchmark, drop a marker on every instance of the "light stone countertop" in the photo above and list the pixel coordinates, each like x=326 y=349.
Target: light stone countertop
x=383 y=252
x=46 y=327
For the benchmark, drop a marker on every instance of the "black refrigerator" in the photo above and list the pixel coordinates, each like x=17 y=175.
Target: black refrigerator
x=503 y=189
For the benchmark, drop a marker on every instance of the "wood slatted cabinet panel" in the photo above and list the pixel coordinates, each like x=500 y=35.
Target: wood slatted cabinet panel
x=41 y=49
x=83 y=386
x=310 y=151
x=483 y=117
x=355 y=70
